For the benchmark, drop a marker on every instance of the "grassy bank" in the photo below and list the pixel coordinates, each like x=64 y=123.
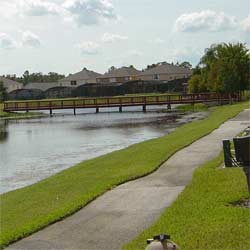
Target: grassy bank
x=193 y=108
x=202 y=217
x=15 y=115
x=29 y=209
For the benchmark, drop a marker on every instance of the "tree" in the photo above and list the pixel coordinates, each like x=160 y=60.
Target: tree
x=26 y=77
x=186 y=64
x=3 y=92
x=224 y=68
x=112 y=68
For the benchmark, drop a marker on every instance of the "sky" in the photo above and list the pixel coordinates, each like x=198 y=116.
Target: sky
x=65 y=36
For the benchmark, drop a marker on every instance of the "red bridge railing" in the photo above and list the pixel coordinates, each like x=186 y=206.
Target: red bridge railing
x=116 y=101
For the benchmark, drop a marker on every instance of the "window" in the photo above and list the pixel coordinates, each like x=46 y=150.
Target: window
x=156 y=77
x=112 y=80
x=73 y=83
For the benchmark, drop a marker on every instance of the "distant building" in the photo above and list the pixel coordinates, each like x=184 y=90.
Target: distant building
x=42 y=85
x=83 y=77
x=10 y=85
x=165 y=72
x=120 y=75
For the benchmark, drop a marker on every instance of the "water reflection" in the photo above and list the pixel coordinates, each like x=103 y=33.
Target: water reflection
x=3 y=130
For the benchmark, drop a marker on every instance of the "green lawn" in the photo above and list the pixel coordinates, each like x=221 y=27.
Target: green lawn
x=29 y=209
x=195 y=107
x=202 y=217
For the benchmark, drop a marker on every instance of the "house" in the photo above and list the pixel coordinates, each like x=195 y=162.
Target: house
x=117 y=76
x=165 y=72
x=83 y=77
x=10 y=85
x=42 y=85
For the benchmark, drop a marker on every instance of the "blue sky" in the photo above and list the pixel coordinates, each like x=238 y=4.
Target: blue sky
x=67 y=35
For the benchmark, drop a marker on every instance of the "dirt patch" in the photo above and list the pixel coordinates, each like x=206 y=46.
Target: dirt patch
x=242 y=203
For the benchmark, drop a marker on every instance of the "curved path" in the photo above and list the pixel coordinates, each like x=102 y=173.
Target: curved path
x=120 y=214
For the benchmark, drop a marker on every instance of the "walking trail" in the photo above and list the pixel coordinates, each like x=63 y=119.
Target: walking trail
x=120 y=214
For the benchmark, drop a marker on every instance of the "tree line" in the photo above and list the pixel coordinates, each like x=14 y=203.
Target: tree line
x=224 y=68
x=28 y=77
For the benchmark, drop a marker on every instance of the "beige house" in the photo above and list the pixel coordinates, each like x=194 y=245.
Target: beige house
x=165 y=72
x=120 y=75
x=10 y=85
x=83 y=77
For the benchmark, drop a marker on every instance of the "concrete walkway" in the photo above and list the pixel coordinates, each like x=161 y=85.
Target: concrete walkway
x=119 y=215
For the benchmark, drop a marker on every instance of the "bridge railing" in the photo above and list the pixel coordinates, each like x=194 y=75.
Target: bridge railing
x=112 y=101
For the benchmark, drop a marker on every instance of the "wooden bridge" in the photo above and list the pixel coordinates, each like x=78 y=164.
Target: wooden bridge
x=120 y=102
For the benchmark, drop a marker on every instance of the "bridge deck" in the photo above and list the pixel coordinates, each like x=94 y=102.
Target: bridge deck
x=123 y=101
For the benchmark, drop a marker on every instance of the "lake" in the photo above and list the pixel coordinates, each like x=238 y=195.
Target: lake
x=33 y=149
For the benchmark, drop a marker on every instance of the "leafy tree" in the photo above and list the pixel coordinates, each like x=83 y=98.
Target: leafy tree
x=186 y=64
x=112 y=68
x=26 y=77
x=3 y=92
x=224 y=68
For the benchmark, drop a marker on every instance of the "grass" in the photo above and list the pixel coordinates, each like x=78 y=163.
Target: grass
x=202 y=217
x=14 y=115
x=31 y=208
x=194 y=108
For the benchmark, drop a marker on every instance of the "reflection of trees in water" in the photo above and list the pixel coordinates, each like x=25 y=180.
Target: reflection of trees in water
x=3 y=130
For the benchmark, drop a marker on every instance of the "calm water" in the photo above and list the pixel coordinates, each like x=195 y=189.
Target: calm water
x=31 y=150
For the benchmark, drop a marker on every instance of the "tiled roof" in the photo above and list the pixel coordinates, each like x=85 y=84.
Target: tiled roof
x=121 y=72
x=42 y=85
x=85 y=74
x=166 y=69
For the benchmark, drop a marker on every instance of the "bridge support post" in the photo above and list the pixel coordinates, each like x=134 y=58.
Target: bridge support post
x=74 y=111
x=144 y=108
x=169 y=106
x=97 y=110
x=120 y=109
x=50 y=112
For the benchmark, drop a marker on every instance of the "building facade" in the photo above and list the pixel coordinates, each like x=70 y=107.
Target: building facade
x=83 y=77
x=10 y=85
x=118 y=76
x=165 y=72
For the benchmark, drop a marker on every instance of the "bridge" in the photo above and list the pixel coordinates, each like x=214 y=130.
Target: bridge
x=120 y=102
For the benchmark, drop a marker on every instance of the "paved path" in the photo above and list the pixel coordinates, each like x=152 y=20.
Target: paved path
x=119 y=215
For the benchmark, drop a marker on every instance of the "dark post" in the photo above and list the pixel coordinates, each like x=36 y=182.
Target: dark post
x=97 y=110
x=227 y=153
x=50 y=112
x=247 y=173
x=144 y=108
x=120 y=109
x=74 y=111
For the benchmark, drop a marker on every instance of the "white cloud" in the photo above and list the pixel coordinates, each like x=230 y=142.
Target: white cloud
x=89 y=48
x=206 y=20
x=184 y=54
x=110 y=38
x=30 y=39
x=89 y=12
x=38 y=7
x=134 y=53
x=245 y=24
x=6 y=42
x=157 y=41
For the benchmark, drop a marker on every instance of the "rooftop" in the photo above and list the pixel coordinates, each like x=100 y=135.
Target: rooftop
x=167 y=68
x=121 y=72
x=85 y=74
